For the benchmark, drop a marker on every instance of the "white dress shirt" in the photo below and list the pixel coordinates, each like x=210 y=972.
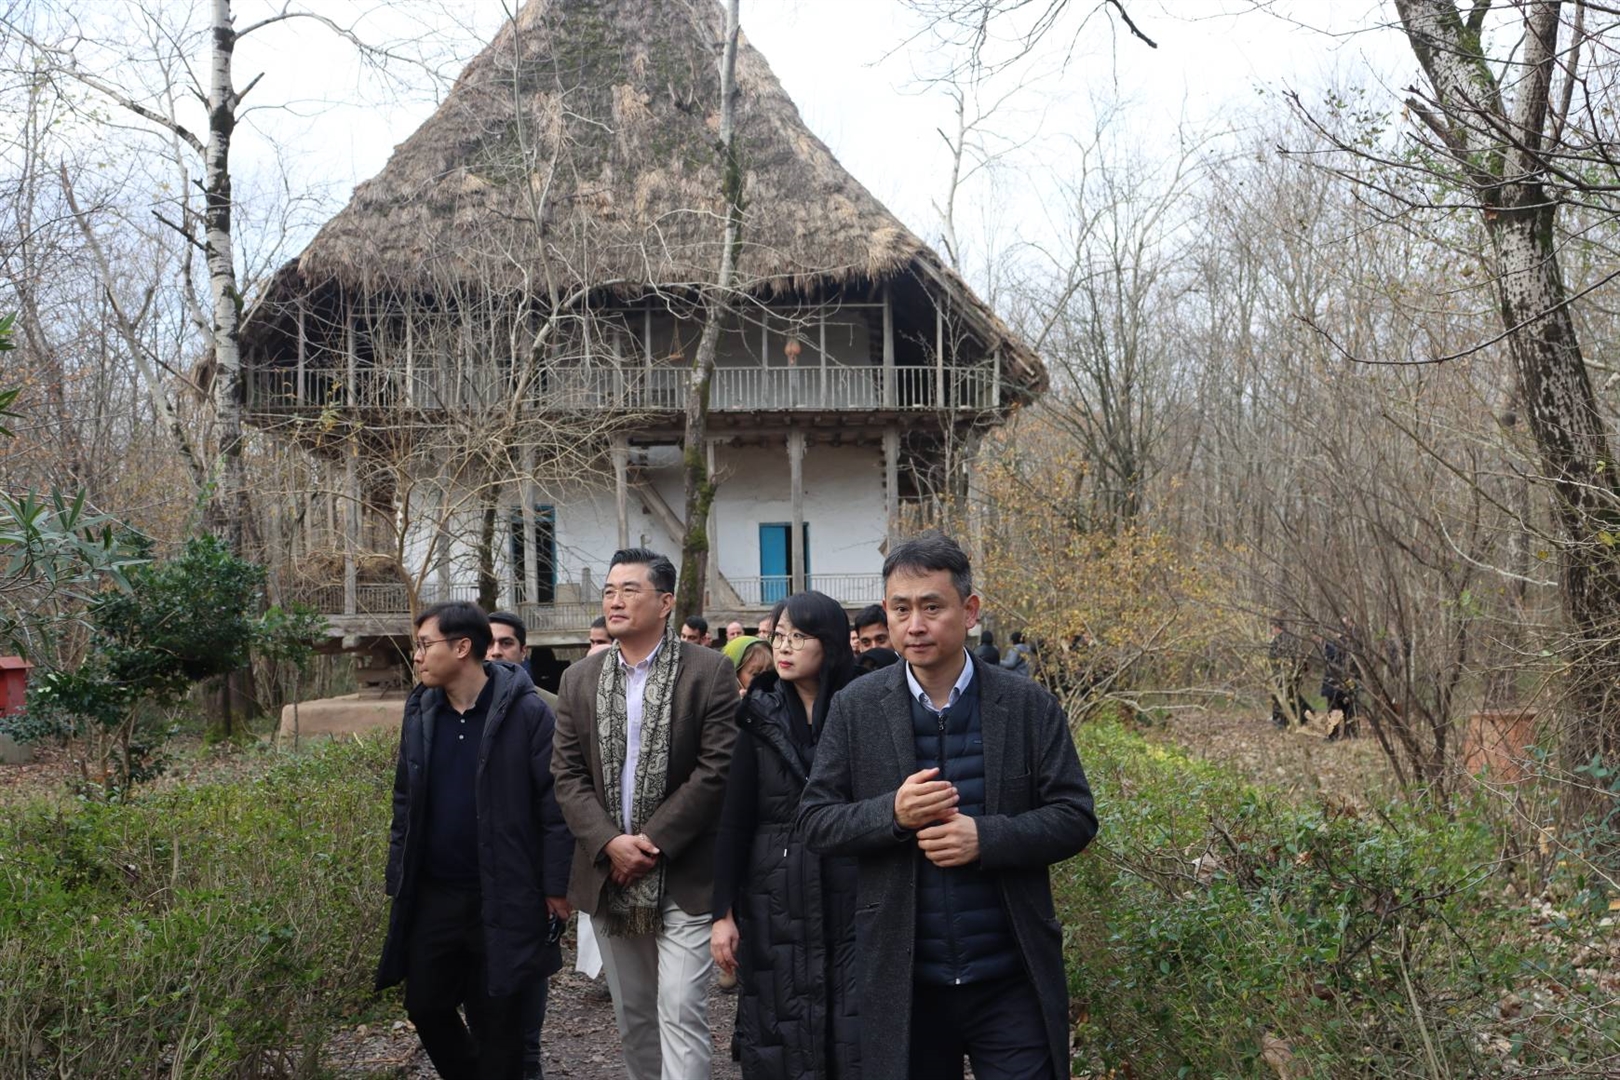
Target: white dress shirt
x=635 y=696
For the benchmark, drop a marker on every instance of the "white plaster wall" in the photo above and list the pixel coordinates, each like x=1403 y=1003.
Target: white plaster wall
x=843 y=504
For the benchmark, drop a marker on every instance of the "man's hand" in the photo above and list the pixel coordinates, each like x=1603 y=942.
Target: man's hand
x=922 y=800
x=723 y=938
x=633 y=857
x=955 y=843
x=559 y=907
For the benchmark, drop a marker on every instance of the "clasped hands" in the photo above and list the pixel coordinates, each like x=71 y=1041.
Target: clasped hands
x=927 y=807
x=632 y=857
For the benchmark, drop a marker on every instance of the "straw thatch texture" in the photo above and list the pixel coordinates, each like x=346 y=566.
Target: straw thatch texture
x=577 y=151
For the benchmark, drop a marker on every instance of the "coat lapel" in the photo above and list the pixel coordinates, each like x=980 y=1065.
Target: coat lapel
x=897 y=710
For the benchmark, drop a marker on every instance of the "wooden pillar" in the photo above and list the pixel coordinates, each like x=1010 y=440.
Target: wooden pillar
x=351 y=359
x=621 y=486
x=888 y=349
x=299 y=389
x=351 y=533
x=995 y=379
x=891 y=484
x=795 y=446
x=821 y=330
x=939 y=354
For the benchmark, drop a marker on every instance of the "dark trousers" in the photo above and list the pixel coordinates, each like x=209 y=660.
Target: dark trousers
x=995 y=1024
x=446 y=968
x=534 y=1022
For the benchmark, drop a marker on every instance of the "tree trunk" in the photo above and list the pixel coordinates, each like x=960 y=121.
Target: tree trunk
x=699 y=484
x=489 y=587
x=227 y=298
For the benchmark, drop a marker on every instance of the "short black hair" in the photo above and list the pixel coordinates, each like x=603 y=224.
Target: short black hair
x=599 y=623
x=506 y=618
x=460 y=619
x=1017 y=637
x=660 y=571
x=872 y=613
x=698 y=623
x=987 y=638
x=929 y=552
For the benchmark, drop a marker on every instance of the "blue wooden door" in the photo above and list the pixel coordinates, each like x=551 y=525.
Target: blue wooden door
x=776 y=560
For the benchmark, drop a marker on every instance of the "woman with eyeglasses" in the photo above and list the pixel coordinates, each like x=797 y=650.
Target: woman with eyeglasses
x=784 y=916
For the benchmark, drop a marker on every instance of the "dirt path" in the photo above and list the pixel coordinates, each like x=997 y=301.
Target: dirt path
x=580 y=1043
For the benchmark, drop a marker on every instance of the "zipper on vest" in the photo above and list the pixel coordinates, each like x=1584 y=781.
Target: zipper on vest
x=945 y=877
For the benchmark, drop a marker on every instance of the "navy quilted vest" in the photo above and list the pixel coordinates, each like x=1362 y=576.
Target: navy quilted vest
x=963 y=934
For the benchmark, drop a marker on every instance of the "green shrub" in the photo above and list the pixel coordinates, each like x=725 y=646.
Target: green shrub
x=1211 y=919
x=216 y=931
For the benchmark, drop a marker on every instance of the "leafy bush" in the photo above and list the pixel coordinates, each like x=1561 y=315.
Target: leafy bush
x=217 y=931
x=1214 y=930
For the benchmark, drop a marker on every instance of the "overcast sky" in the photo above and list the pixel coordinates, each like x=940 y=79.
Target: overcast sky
x=855 y=69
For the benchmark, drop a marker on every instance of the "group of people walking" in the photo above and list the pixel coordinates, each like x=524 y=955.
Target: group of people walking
x=867 y=852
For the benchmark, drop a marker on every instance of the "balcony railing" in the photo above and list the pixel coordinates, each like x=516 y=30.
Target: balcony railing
x=627 y=389
x=851 y=590
x=392 y=600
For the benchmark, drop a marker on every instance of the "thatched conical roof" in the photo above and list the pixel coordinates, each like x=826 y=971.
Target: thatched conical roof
x=579 y=146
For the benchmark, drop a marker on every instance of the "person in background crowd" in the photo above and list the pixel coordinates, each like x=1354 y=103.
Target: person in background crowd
x=1016 y=659
x=785 y=916
x=1341 y=679
x=644 y=737
x=960 y=953
x=875 y=660
x=695 y=630
x=734 y=630
x=599 y=639
x=750 y=656
x=765 y=627
x=509 y=641
x=987 y=650
x=475 y=838
x=871 y=629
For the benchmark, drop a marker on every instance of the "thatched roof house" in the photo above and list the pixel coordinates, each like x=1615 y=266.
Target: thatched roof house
x=575 y=154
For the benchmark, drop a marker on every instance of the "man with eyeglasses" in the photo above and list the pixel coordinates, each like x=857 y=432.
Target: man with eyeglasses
x=644 y=738
x=478 y=854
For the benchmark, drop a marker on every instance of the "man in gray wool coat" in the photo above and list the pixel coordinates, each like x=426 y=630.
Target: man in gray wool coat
x=956 y=785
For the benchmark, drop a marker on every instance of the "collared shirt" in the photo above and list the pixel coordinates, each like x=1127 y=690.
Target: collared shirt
x=963 y=681
x=635 y=695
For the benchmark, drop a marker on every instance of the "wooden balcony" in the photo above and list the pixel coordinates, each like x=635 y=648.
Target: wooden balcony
x=629 y=390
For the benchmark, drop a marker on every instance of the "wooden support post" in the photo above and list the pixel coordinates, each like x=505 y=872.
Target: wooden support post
x=939 y=354
x=621 y=486
x=351 y=533
x=300 y=400
x=821 y=328
x=351 y=358
x=888 y=350
x=995 y=379
x=795 y=446
x=891 y=484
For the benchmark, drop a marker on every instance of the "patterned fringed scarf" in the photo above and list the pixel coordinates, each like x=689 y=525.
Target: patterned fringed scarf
x=635 y=909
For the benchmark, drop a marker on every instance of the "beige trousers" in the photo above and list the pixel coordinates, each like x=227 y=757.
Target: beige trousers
x=660 y=985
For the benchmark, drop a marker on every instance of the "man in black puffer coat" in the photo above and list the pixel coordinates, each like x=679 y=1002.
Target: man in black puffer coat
x=955 y=785
x=478 y=854
x=795 y=909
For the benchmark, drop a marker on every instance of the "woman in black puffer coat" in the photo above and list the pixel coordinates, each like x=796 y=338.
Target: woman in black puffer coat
x=784 y=916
